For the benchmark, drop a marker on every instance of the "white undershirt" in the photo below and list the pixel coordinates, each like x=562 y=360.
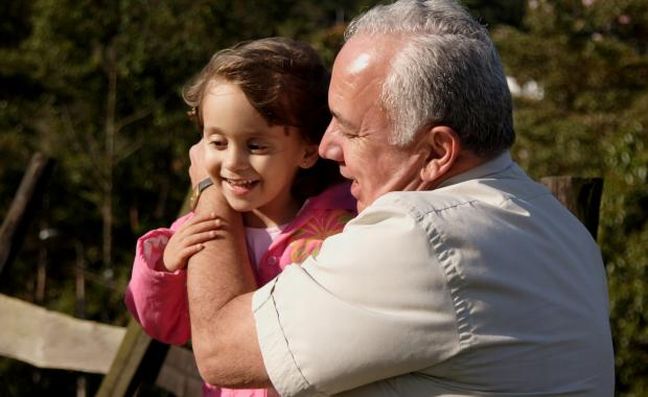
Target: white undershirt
x=259 y=240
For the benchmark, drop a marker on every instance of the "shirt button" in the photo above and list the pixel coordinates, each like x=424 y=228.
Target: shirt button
x=272 y=260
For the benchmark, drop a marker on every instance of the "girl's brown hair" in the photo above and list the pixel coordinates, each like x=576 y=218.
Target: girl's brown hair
x=287 y=83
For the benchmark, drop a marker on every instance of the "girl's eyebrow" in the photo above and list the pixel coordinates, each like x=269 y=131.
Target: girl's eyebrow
x=208 y=131
x=212 y=130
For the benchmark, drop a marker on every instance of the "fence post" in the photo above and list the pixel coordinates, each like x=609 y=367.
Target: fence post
x=138 y=360
x=582 y=196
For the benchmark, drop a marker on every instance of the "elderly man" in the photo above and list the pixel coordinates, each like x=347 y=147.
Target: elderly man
x=460 y=276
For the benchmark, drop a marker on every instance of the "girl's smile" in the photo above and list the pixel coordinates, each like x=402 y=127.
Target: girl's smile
x=240 y=187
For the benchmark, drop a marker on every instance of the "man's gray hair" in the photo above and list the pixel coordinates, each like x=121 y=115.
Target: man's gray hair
x=447 y=72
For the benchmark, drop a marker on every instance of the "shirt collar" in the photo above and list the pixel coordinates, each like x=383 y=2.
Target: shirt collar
x=491 y=167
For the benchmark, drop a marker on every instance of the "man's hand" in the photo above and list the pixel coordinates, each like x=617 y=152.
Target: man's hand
x=189 y=239
x=197 y=169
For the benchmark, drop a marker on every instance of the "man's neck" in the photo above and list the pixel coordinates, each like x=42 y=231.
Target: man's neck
x=466 y=161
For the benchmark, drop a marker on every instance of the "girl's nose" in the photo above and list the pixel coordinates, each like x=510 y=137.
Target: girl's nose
x=235 y=159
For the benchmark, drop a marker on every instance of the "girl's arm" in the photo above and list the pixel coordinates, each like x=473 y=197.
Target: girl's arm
x=156 y=298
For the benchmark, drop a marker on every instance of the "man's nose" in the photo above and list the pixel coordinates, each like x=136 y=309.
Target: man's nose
x=329 y=147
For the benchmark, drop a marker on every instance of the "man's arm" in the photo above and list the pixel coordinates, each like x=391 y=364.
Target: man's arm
x=219 y=285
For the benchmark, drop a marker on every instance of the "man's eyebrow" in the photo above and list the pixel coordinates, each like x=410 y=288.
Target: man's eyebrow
x=345 y=123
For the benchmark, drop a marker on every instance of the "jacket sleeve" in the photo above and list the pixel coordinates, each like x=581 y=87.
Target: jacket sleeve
x=157 y=299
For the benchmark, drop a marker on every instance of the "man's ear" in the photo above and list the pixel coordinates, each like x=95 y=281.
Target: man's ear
x=310 y=157
x=443 y=146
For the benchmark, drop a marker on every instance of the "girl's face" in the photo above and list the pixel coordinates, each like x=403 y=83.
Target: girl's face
x=254 y=164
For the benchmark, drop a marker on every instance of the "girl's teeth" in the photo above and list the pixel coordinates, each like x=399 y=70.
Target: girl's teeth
x=240 y=183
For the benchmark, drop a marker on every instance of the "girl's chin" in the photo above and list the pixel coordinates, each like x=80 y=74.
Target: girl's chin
x=239 y=205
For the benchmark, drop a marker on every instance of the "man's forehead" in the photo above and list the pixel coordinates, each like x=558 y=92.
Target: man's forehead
x=365 y=58
x=360 y=54
x=360 y=63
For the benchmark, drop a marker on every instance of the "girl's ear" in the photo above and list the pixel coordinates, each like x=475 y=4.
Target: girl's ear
x=310 y=156
x=443 y=147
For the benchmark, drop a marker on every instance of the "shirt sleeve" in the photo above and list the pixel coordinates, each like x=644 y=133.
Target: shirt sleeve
x=373 y=305
x=158 y=299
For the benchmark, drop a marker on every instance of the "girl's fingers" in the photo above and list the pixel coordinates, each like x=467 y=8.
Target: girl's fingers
x=203 y=229
x=180 y=262
x=199 y=238
x=201 y=217
x=187 y=252
x=201 y=225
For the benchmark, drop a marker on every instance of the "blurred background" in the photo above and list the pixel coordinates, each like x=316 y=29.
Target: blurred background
x=96 y=86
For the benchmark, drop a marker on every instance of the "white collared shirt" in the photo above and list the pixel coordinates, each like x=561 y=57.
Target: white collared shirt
x=484 y=286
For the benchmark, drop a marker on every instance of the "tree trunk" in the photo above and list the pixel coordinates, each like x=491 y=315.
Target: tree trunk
x=111 y=103
x=23 y=207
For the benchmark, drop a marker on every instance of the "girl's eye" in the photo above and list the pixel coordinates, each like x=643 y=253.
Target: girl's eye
x=257 y=147
x=218 y=143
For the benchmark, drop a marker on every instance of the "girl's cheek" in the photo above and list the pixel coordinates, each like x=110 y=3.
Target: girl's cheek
x=268 y=161
x=212 y=162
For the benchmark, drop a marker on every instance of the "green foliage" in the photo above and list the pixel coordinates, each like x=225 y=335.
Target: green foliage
x=497 y=12
x=590 y=58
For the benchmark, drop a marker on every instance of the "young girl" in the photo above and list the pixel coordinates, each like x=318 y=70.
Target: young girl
x=262 y=107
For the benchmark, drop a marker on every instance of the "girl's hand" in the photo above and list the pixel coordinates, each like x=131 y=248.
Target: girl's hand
x=188 y=240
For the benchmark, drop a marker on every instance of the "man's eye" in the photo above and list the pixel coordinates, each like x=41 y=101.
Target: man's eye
x=344 y=130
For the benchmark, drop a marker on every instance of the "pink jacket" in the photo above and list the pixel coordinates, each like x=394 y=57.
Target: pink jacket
x=158 y=299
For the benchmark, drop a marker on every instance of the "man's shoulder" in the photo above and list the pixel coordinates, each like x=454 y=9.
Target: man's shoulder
x=416 y=203
x=475 y=192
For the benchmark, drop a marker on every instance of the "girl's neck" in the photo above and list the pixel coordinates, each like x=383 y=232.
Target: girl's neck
x=260 y=219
